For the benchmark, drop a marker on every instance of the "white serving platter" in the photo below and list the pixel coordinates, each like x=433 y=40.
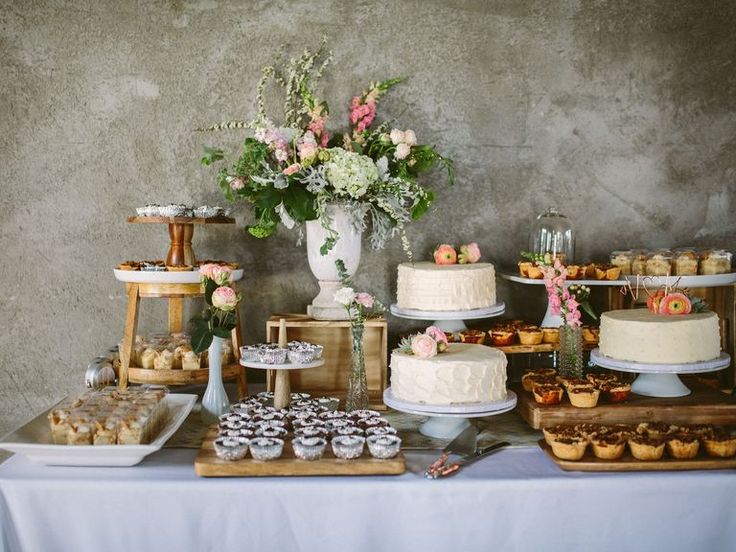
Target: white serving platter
x=540 y=282
x=286 y=366
x=34 y=441
x=165 y=276
x=473 y=314
x=723 y=361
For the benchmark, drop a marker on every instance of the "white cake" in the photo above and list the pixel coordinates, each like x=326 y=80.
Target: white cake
x=638 y=335
x=464 y=374
x=432 y=287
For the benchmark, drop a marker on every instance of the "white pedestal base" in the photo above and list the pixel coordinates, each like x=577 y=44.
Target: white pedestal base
x=443 y=427
x=659 y=385
x=324 y=306
x=453 y=326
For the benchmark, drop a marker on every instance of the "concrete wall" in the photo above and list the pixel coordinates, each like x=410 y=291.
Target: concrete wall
x=622 y=113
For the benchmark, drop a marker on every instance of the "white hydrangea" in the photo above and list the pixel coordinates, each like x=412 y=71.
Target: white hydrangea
x=345 y=296
x=350 y=173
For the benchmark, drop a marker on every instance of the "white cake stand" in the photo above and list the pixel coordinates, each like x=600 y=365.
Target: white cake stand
x=445 y=422
x=282 y=386
x=660 y=380
x=450 y=321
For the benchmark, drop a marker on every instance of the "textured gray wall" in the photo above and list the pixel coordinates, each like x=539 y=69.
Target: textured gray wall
x=625 y=108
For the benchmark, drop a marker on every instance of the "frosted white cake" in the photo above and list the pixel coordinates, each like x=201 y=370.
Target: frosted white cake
x=465 y=373
x=432 y=287
x=638 y=335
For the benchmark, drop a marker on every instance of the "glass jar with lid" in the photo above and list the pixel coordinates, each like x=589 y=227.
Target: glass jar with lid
x=553 y=233
x=685 y=261
x=622 y=259
x=659 y=263
x=715 y=261
x=639 y=261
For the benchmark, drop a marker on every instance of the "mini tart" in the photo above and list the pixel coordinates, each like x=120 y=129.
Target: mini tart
x=613 y=272
x=530 y=336
x=472 y=336
x=577 y=383
x=700 y=430
x=683 y=445
x=550 y=335
x=559 y=431
x=185 y=268
x=615 y=392
x=589 y=271
x=502 y=338
x=720 y=446
x=590 y=334
x=524 y=267
x=569 y=448
x=574 y=272
x=656 y=430
x=646 y=448
x=596 y=378
x=547 y=394
x=583 y=397
x=529 y=382
x=588 y=431
x=535 y=273
x=622 y=430
x=608 y=447
x=129 y=265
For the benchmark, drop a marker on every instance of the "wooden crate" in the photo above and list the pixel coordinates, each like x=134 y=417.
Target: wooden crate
x=334 y=335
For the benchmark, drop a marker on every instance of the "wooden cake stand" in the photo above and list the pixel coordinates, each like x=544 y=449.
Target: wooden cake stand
x=282 y=386
x=181 y=230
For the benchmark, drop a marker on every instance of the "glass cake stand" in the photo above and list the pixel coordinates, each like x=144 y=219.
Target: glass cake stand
x=660 y=380
x=445 y=422
x=449 y=321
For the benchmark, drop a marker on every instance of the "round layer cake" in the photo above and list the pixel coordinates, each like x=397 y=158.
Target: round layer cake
x=432 y=287
x=464 y=374
x=637 y=335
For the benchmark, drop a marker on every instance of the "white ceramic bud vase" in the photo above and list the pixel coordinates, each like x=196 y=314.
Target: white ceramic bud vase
x=214 y=400
x=347 y=248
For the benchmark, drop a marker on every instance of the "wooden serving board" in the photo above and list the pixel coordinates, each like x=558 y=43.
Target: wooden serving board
x=703 y=406
x=628 y=463
x=207 y=464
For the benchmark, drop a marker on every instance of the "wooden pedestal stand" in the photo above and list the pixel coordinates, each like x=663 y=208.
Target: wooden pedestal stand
x=181 y=230
x=175 y=293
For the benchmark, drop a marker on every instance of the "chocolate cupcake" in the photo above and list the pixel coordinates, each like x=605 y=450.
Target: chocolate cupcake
x=309 y=448
x=348 y=447
x=384 y=446
x=266 y=448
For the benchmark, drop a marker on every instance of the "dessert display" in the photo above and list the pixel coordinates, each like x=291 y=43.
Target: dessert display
x=532 y=268
x=506 y=333
x=161 y=351
x=550 y=388
x=638 y=335
x=685 y=261
x=110 y=416
x=452 y=287
x=180 y=210
x=649 y=442
x=425 y=369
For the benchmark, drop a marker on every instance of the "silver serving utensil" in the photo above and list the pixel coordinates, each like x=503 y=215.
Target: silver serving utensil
x=453 y=468
x=463 y=445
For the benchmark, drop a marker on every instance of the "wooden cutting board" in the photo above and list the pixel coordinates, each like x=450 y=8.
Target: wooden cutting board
x=207 y=464
x=703 y=406
x=628 y=463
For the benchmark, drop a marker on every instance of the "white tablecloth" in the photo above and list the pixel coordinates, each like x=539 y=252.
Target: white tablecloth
x=515 y=500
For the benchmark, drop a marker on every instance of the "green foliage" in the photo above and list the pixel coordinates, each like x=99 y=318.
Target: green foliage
x=211 y=155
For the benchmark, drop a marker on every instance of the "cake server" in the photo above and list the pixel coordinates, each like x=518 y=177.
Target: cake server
x=470 y=459
x=463 y=445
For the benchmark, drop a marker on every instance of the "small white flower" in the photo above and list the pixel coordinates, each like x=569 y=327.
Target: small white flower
x=410 y=138
x=402 y=151
x=397 y=136
x=345 y=296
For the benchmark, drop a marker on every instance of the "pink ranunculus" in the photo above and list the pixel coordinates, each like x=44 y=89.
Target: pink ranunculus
x=445 y=254
x=439 y=336
x=291 y=169
x=469 y=253
x=423 y=346
x=365 y=299
x=307 y=150
x=237 y=184
x=224 y=298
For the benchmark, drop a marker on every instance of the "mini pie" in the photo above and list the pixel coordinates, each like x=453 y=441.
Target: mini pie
x=577 y=383
x=547 y=394
x=646 y=448
x=596 y=378
x=524 y=267
x=656 y=430
x=615 y=392
x=530 y=336
x=559 y=431
x=583 y=397
x=129 y=265
x=535 y=273
x=574 y=272
x=591 y=334
x=700 y=430
x=550 y=335
x=569 y=448
x=608 y=446
x=683 y=445
x=472 y=336
x=184 y=268
x=502 y=338
x=720 y=445
x=529 y=382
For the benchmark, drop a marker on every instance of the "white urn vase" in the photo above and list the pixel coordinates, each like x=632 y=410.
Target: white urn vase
x=347 y=248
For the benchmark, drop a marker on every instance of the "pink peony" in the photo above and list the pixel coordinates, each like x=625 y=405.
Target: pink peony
x=469 y=253
x=439 y=336
x=445 y=255
x=291 y=169
x=423 y=346
x=410 y=138
x=402 y=151
x=224 y=298
x=365 y=299
x=237 y=184
x=397 y=136
x=217 y=273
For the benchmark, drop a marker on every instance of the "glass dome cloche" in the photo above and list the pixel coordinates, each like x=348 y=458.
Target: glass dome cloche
x=552 y=233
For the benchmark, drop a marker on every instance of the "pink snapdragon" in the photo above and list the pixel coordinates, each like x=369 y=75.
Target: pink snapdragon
x=561 y=301
x=362 y=113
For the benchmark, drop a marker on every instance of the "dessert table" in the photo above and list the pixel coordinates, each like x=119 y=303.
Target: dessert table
x=514 y=500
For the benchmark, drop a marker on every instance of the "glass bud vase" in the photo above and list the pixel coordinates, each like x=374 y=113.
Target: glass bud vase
x=571 y=351
x=357 y=398
x=214 y=400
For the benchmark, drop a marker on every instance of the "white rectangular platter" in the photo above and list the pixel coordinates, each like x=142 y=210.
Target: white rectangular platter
x=34 y=441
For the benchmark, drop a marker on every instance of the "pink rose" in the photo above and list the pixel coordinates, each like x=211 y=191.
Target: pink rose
x=402 y=151
x=439 y=336
x=307 y=150
x=365 y=299
x=445 y=254
x=397 y=136
x=423 y=346
x=469 y=253
x=218 y=273
x=410 y=138
x=237 y=184
x=224 y=298
x=291 y=169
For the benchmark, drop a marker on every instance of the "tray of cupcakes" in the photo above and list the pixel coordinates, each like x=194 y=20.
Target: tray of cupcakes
x=647 y=446
x=158 y=272
x=310 y=437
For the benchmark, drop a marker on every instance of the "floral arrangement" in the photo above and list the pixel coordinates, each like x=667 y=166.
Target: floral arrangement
x=290 y=172
x=445 y=254
x=359 y=304
x=674 y=302
x=218 y=317
x=563 y=301
x=425 y=345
